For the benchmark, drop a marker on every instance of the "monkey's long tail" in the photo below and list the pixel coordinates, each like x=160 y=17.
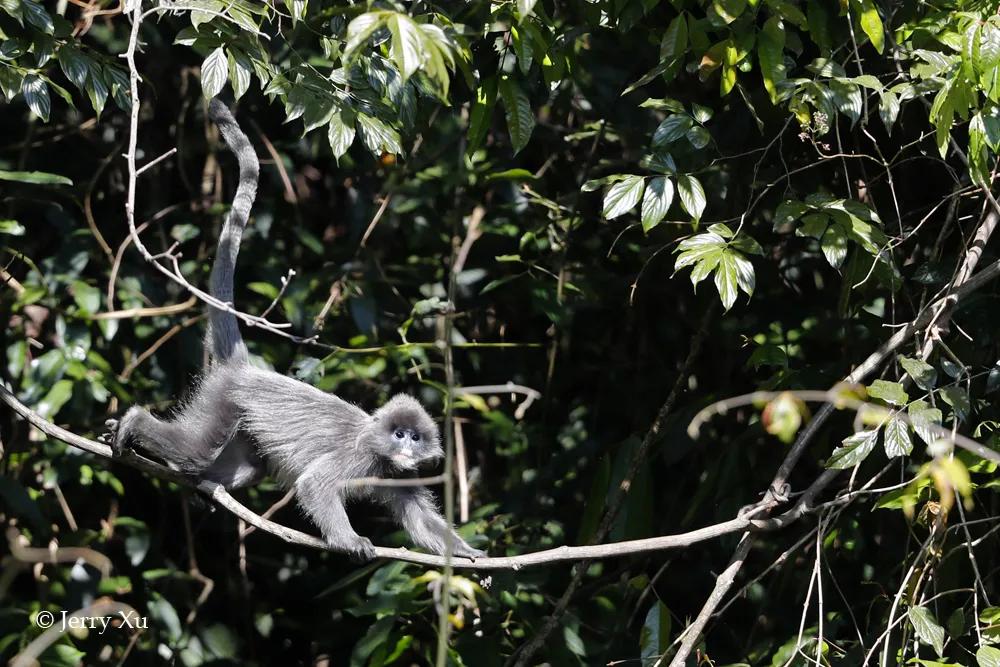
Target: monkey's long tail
x=223 y=330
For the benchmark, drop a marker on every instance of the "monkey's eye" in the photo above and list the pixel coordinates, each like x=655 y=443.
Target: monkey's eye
x=416 y=437
x=398 y=434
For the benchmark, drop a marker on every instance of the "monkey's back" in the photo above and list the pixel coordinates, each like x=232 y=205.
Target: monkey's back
x=294 y=424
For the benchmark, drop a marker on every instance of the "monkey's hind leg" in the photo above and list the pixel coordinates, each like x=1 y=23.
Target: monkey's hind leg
x=165 y=440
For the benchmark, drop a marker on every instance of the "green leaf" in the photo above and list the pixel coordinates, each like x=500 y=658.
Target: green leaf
x=36 y=94
x=897 y=438
x=654 y=638
x=74 y=65
x=988 y=656
x=525 y=8
x=890 y=392
x=37 y=16
x=834 y=245
x=57 y=397
x=958 y=399
x=698 y=136
x=407 y=44
x=378 y=136
x=922 y=417
x=97 y=91
x=34 y=177
x=789 y=211
x=888 y=109
x=11 y=227
x=921 y=372
x=656 y=201
x=623 y=196
x=847 y=97
x=926 y=628
x=770 y=52
x=871 y=23
x=726 y=279
x=481 y=113
x=853 y=450
x=240 y=71
x=671 y=129
x=87 y=297
x=340 y=132
x=692 y=196
x=673 y=46
x=214 y=72
x=520 y=117
x=729 y=10
x=359 y=30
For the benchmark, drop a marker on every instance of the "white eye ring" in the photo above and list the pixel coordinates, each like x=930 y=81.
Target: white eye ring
x=398 y=434
x=415 y=437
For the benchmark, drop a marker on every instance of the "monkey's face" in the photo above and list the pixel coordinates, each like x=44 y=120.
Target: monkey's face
x=408 y=437
x=410 y=446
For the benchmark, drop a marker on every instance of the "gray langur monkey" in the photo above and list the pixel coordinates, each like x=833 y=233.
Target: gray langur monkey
x=242 y=420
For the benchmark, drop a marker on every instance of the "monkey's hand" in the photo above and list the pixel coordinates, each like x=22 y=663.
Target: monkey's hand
x=359 y=549
x=113 y=437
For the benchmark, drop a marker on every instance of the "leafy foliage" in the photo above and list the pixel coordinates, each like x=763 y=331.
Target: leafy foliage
x=831 y=161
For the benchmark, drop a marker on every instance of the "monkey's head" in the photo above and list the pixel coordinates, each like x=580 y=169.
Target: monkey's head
x=405 y=435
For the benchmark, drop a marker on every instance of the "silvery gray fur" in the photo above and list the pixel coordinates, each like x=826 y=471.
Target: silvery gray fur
x=242 y=420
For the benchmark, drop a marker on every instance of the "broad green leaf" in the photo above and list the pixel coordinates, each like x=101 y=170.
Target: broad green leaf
x=888 y=109
x=789 y=211
x=481 y=113
x=97 y=90
x=692 y=196
x=520 y=117
x=623 y=196
x=36 y=94
x=11 y=227
x=890 y=392
x=871 y=23
x=701 y=113
x=790 y=12
x=74 y=65
x=921 y=372
x=958 y=399
x=745 y=277
x=770 y=52
x=35 y=177
x=729 y=10
x=214 y=72
x=340 y=132
x=671 y=129
x=726 y=280
x=240 y=71
x=698 y=137
x=36 y=15
x=697 y=248
x=525 y=8
x=926 y=628
x=897 y=438
x=298 y=9
x=922 y=417
x=847 y=97
x=656 y=201
x=834 y=245
x=853 y=450
x=57 y=397
x=654 y=638
x=673 y=47
x=360 y=30
x=407 y=44
x=988 y=656
x=378 y=136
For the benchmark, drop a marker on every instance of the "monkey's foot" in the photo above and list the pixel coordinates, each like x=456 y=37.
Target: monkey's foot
x=465 y=551
x=360 y=550
x=112 y=437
